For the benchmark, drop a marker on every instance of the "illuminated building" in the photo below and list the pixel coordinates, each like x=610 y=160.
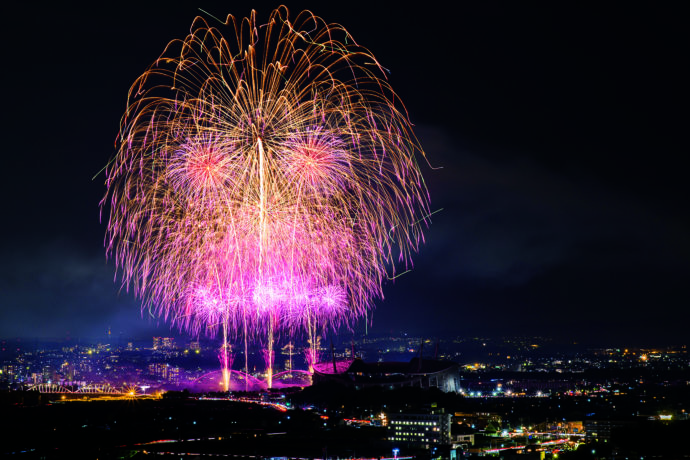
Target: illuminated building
x=173 y=374
x=163 y=343
x=419 y=430
x=165 y=372
x=600 y=430
x=9 y=373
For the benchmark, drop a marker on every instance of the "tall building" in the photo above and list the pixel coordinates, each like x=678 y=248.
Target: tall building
x=599 y=430
x=165 y=372
x=419 y=430
x=163 y=343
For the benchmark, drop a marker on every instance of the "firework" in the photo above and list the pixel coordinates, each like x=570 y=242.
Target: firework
x=265 y=181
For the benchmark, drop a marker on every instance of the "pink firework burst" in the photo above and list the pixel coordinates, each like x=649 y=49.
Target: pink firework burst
x=267 y=183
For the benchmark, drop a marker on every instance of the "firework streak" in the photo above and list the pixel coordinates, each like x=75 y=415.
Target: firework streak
x=265 y=181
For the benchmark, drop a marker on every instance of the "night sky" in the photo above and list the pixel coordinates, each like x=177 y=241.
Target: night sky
x=561 y=130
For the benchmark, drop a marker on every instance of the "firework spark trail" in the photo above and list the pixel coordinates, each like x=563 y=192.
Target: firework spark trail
x=265 y=181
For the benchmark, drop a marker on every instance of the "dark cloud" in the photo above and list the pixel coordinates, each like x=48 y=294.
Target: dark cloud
x=516 y=236
x=58 y=288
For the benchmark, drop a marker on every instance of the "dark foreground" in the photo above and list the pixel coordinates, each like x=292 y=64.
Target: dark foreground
x=136 y=428
x=180 y=426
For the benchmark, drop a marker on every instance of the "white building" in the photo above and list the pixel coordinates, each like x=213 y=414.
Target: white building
x=420 y=430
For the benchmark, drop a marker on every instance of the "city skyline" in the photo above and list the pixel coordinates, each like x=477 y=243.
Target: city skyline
x=558 y=131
